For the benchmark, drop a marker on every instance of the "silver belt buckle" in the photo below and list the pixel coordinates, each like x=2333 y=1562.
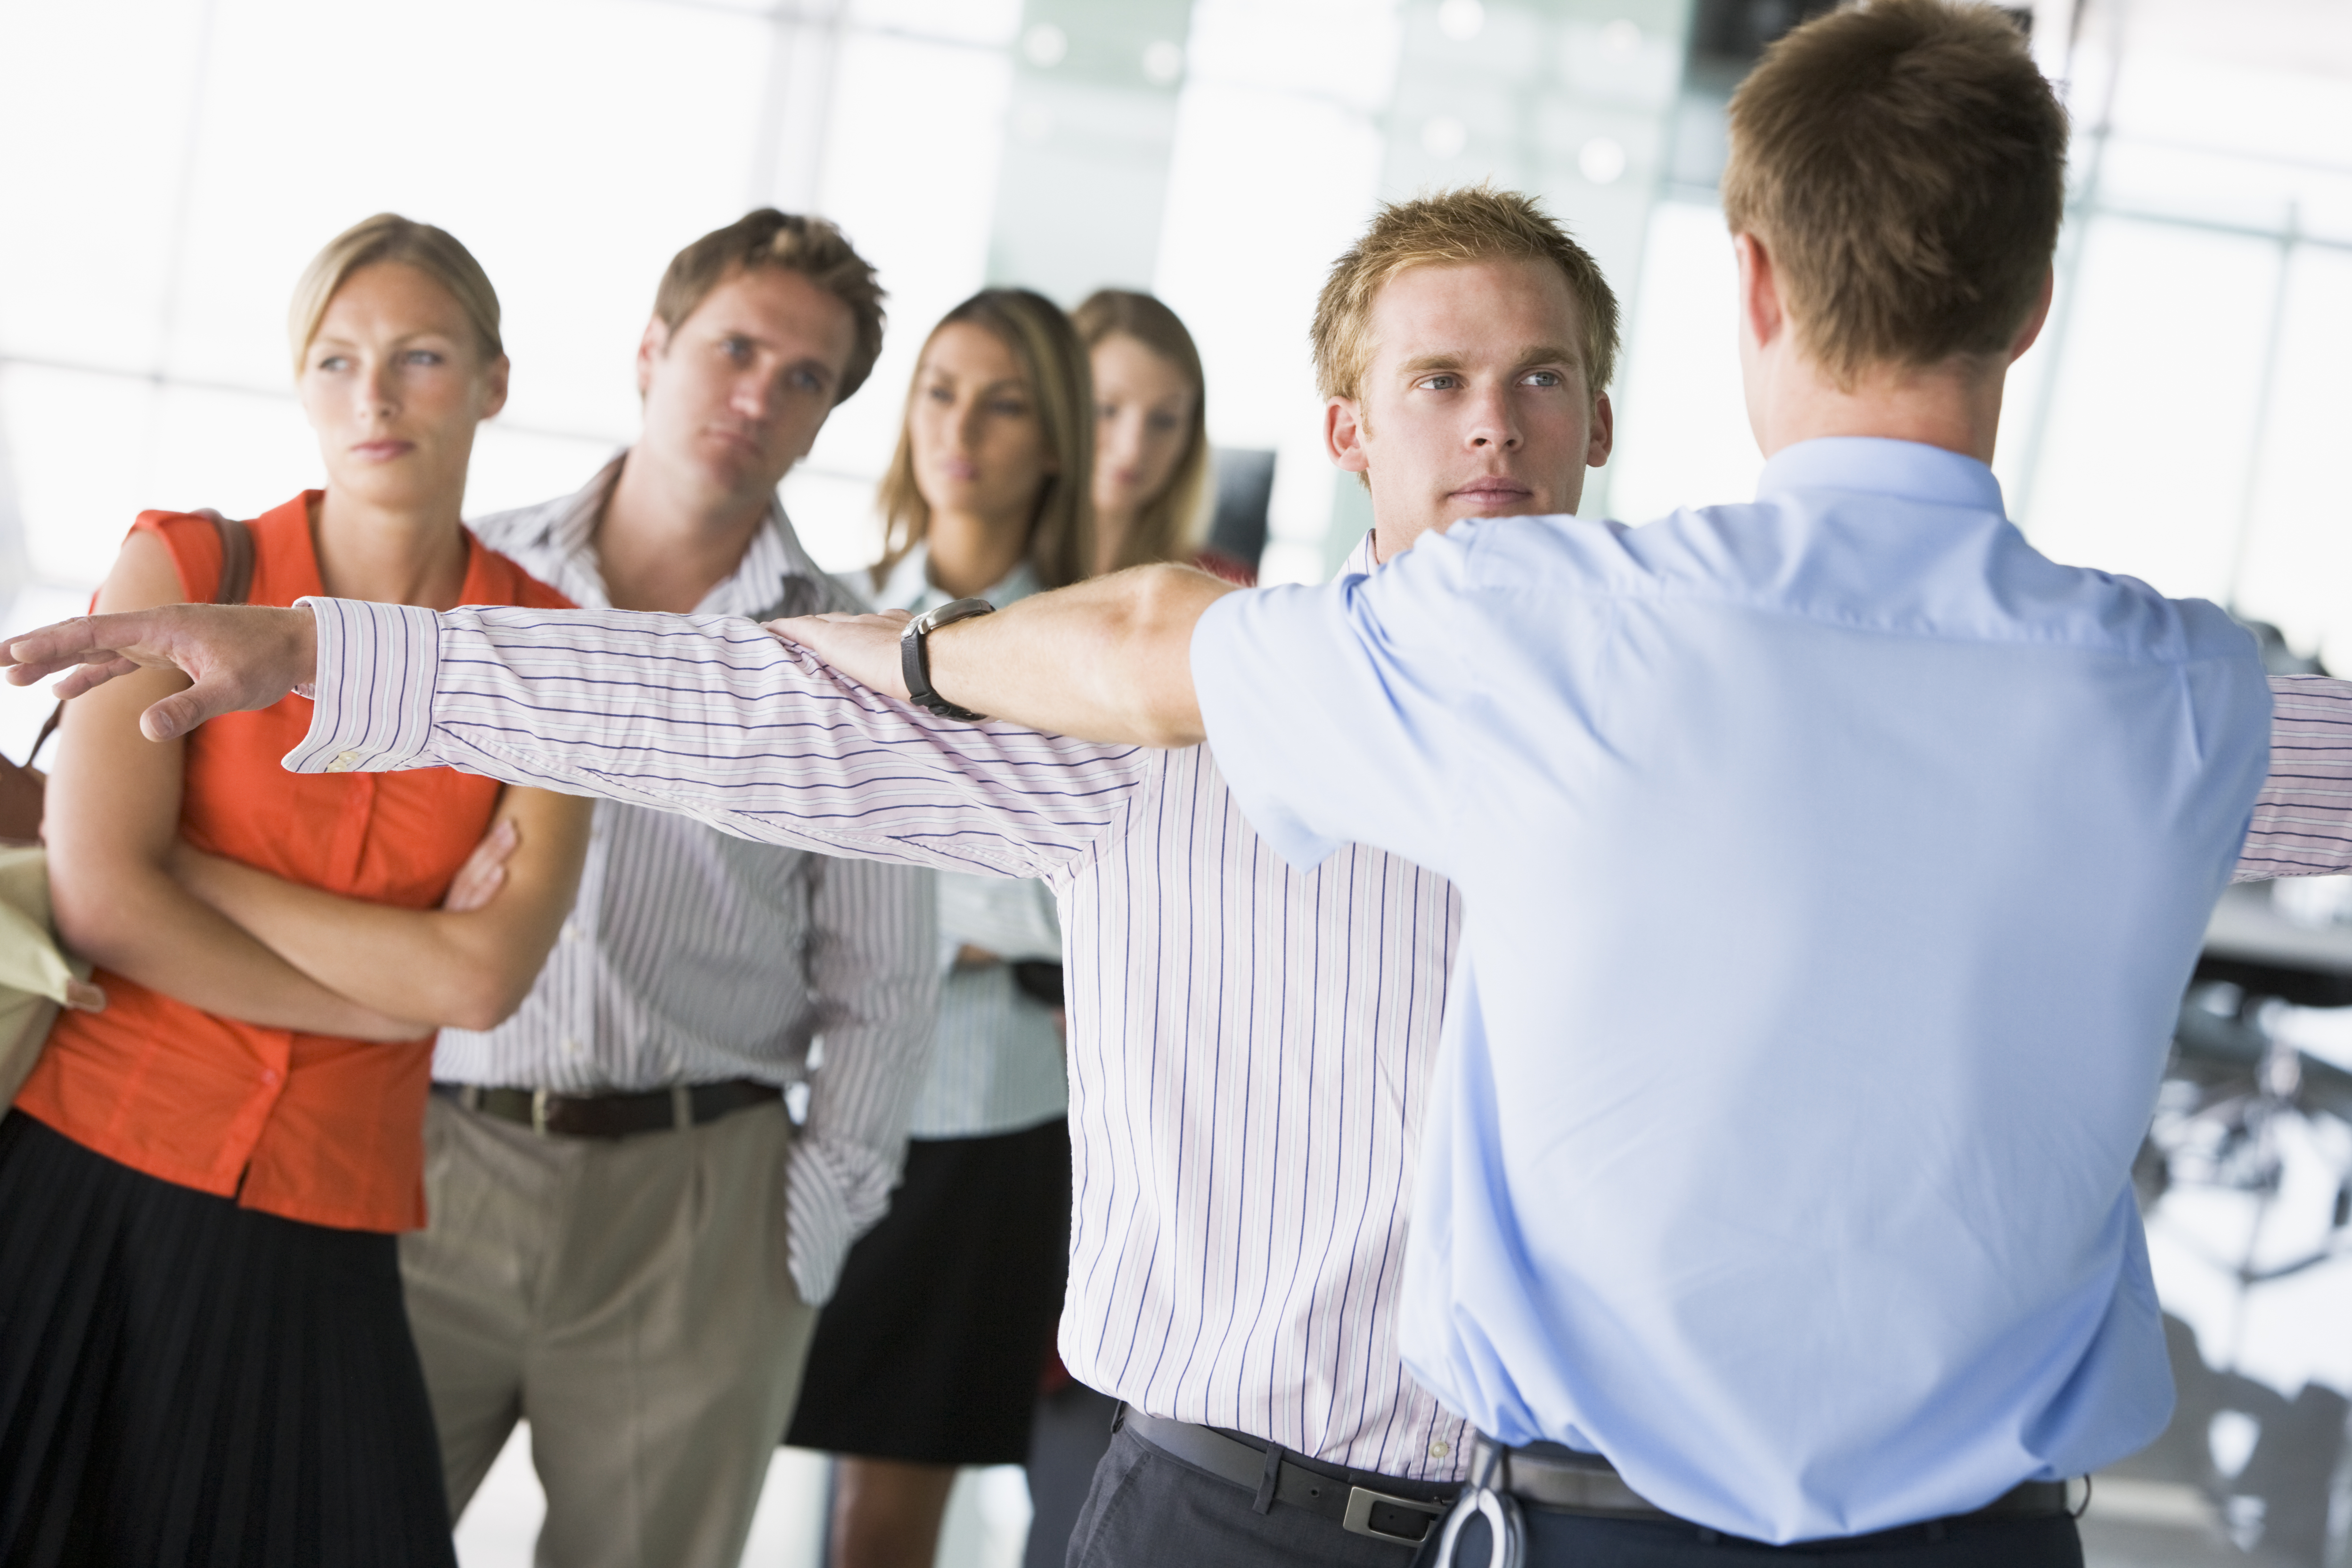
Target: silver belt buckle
x=1361 y=1500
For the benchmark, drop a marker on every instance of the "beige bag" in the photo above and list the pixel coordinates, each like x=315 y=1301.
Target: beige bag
x=35 y=976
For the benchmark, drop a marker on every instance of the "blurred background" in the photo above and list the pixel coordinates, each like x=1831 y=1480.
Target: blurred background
x=167 y=166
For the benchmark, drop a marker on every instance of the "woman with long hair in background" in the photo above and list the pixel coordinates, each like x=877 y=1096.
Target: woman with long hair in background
x=204 y=1353
x=1154 y=488
x=928 y=1356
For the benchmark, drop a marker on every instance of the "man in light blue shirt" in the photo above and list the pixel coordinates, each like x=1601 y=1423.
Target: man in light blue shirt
x=1834 y=866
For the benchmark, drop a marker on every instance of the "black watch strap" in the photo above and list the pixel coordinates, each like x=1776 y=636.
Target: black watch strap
x=915 y=653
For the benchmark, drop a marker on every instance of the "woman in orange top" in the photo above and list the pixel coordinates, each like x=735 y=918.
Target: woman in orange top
x=203 y=1354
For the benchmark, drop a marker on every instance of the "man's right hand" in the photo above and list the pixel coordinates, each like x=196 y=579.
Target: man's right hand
x=237 y=658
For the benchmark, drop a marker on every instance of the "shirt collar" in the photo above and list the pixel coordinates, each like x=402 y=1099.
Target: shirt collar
x=773 y=555
x=909 y=585
x=1910 y=471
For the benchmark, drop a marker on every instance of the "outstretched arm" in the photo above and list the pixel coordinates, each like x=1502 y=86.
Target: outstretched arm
x=701 y=715
x=1108 y=660
x=1105 y=660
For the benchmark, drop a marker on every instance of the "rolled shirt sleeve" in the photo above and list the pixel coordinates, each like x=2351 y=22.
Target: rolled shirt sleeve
x=876 y=986
x=2303 y=819
x=712 y=718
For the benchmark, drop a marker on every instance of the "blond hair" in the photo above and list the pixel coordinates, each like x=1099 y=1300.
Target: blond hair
x=1171 y=525
x=1053 y=363
x=788 y=242
x=1475 y=223
x=388 y=236
x=1905 y=163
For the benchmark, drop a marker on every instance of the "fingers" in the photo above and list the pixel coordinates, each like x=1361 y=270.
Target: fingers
x=475 y=886
x=60 y=646
x=484 y=872
x=182 y=711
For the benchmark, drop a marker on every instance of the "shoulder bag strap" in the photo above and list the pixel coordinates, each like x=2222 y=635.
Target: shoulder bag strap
x=236 y=583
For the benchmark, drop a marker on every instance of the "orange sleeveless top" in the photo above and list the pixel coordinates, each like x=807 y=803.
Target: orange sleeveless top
x=311 y=1127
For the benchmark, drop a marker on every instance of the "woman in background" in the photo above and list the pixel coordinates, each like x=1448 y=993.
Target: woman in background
x=1153 y=490
x=204 y=1353
x=928 y=1356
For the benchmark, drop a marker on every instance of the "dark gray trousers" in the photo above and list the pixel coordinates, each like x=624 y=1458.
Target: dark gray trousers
x=1149 y=1510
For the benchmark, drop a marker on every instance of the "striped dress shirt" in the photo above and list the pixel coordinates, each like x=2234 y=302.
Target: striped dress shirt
x=1250 y=1045
x=693 y=957
x=997 y=1059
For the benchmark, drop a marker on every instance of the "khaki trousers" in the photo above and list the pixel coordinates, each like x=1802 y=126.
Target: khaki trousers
x=629 y=1297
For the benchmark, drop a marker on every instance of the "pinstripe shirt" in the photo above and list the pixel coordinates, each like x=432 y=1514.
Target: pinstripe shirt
x=996 y=1061
x=693 y=956
x=1250 y=1045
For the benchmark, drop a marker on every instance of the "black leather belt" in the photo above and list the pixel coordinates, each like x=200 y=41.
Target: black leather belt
x=1382 y=1506
x=611 y=1115
x=1547 y=1475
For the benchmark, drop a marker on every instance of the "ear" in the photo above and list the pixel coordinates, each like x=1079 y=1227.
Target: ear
x=1343 y=435
x=1604 y=433
x=494 y=387
x=651 y=347
x=1763 y=316
x=2036 y=318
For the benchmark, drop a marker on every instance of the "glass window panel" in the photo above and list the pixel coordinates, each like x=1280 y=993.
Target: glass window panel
x=973 y=21
x=1682 y=420
x=1345 y=50
x=89 y=182
x=1297 y=175
x=240 y=453
x=2299 y=547
x=910 y=175
x=2157 y=179
x=2143 y=462
x=2183 y=94
x=79 y=443
x=573 y=147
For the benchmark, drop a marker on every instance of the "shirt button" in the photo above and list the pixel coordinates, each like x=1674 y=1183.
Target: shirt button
x=270 y=1077
x=571 y=1045
x=571 y=930
x=344 y=762
x=1440 y=1449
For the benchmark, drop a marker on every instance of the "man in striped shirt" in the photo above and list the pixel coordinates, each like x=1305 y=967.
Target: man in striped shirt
x=629 y=1239
x=1250 y=1043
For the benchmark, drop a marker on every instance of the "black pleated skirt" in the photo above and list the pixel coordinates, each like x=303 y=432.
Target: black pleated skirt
x=932 y=1345
x=186 y=1382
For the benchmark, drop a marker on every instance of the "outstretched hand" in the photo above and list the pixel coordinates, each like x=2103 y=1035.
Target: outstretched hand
x=237 y=658
x=863 y=648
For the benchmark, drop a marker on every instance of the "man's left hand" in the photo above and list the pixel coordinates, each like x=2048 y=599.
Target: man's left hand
x=863 y=648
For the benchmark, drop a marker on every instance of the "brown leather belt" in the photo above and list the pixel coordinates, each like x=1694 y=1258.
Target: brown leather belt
x=1547 y=1475
x=612 y=1115
x=1386 y=1508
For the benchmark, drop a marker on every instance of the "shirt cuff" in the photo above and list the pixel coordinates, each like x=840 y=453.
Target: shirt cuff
x=838 y=1192
x=378 y=667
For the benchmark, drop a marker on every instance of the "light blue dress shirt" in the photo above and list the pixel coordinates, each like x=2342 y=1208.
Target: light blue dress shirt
x=1832 y=865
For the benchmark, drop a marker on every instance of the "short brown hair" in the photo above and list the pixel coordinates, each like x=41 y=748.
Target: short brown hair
x=809 y=246
x=388 y=236
x=1053 y=363
x=1475 y=223
x=1172 y=521
x=1905 y=163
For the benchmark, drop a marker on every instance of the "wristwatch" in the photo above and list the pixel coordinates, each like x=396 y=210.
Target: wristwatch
x=915 y=658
